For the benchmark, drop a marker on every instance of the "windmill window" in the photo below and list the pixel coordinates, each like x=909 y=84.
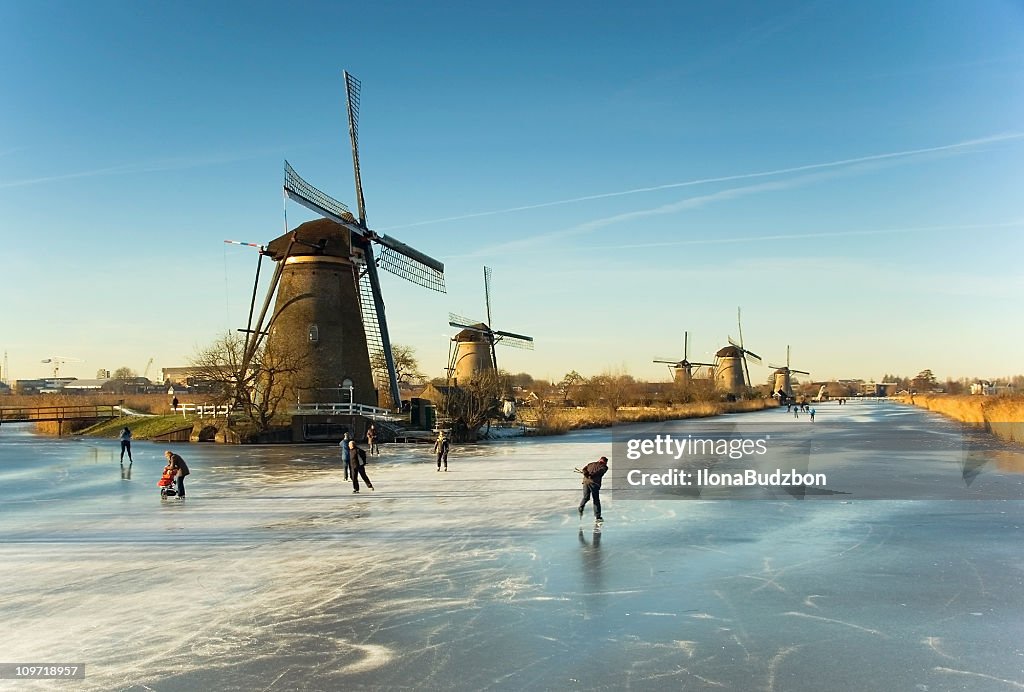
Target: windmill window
x=314 y=333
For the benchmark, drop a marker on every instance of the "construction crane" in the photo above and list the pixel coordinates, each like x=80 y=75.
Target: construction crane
x=57 y=361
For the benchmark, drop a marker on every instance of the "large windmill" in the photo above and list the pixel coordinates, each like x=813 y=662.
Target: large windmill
x=682 y=370
x=731 y=363
x=329 y=313
x=783 y=386
x=472 y=349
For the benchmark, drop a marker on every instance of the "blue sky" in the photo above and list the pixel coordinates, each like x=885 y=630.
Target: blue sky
x=848 y=173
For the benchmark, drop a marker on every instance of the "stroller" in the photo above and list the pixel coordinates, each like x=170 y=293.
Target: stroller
x=166 y=484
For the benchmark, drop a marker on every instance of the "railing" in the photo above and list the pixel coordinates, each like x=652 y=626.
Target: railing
x=343 y=409
x=27 y=414
x=203 y=410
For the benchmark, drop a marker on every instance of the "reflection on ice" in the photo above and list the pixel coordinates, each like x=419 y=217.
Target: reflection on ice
x=272 y=575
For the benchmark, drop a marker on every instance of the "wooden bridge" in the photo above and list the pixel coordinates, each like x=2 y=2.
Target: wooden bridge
x=58 y=414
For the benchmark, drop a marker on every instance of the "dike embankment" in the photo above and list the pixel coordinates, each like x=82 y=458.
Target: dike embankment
x=1003 y=416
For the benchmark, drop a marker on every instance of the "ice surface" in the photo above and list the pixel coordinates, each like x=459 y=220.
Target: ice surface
x=273 y=575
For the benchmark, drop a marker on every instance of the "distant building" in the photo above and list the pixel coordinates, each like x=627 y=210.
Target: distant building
x=85 y=386
x=983 y=388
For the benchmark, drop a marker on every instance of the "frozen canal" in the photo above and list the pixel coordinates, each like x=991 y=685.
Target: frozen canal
x=273 y=575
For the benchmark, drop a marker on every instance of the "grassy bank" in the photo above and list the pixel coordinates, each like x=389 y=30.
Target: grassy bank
x=1002 y=416
x=142 y=427
x=555 y=421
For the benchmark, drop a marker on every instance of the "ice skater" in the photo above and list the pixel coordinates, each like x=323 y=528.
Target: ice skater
x=358 y=463
x=346 y=454
x=812 y=415
x=371 y=439
x=441 y=449
x=592 y=474
x=126 y=444
x=179 y=469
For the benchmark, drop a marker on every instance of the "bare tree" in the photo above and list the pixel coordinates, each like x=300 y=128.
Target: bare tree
x=475 y=402
x=407 y=370
x=259 y=392
x=124 y=373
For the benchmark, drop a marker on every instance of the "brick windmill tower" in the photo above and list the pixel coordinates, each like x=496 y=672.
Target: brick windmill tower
x=329 y=312
x=472 y=350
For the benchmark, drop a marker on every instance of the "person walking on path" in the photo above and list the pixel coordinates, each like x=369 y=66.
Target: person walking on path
x=371 y=439
x=358 y=463
x=441 y=446
x=592 y=474
x=346 y=454
x=126 y=444
x=179 y=469
x=812 y=414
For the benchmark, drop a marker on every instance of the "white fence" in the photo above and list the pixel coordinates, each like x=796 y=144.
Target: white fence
x=344 y=409
x=204 y=411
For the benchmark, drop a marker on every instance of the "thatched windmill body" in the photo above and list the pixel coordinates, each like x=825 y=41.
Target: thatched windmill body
x=329 y=312
x=471 y=351
x=783 y=386
x=682 y=370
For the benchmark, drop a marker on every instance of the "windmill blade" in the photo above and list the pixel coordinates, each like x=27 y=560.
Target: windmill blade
x=802 y=372
x=778 y=367
x=667 y=361
x=706 y=365
x=512 y=335
x=353 y=89
x=410 y=264
x=752 y=356
x=297 y=189
x=460 y=321
x=514 y=340
x=686 y=345
x=487 y=292
x=471 y=328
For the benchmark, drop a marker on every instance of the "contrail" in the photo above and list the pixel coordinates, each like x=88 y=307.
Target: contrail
x=145 y=167
x=728 y=178
x=808 y=236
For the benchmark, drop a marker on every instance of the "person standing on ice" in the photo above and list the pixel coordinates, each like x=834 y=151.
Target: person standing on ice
x=441 y=449
x=358 y=463
x=371 y=439
x=346 y=454
x=126 y=444
x=592 y=474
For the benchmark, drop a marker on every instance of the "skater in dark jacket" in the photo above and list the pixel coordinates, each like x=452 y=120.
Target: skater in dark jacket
x=126 y=444
x=441 y=449
x=358 y=464
x=592 y=474
x=179 y=469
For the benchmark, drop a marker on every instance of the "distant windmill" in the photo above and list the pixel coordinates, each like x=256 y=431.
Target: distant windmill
x=731 y=363
x=472 y=349
x=783 y=386
x=329 y=312
x=682 y=370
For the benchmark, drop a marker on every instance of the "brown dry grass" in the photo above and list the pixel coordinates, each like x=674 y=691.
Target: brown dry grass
x=558 y=421
x=143 y=403
x=1001 y=415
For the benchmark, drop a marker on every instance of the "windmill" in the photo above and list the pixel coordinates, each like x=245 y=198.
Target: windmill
x=472 y=349
x=682 y=370
x=783 y=387
x=731 y=363
x=329 y=314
